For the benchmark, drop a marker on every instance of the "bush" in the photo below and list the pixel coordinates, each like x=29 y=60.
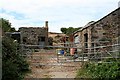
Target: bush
x=100 y=70
x=14 y=66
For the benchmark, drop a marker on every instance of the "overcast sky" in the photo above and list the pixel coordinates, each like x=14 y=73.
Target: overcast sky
x=59 y=13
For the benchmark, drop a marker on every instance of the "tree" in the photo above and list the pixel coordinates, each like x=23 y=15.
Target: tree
x=69 y=30
x=6 y=25
x=12 y=29
x=64 y=30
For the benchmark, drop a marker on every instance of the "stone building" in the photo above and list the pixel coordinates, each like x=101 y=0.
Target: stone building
x=107 y=29
x=34 y=35
x=104 y=30
x=82 y=37
x=57 y=37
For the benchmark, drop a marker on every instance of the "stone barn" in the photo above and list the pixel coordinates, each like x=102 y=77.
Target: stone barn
x=100 y=33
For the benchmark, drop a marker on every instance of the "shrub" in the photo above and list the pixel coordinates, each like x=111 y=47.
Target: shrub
x=109 y=70
x=14 y=66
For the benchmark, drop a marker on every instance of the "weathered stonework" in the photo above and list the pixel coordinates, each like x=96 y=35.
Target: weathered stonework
x=34 y=35
x=106 y=29
x=56 y=37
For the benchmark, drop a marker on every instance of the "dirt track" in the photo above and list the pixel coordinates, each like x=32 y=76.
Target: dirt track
x=45 y=65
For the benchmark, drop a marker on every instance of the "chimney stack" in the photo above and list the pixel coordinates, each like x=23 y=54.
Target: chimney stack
x=46 y=24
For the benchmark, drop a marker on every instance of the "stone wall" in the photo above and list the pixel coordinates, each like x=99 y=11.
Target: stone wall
x=56 y=37
x=104 y=30
x=34 y=35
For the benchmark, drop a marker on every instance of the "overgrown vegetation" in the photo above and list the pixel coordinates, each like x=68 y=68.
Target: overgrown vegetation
x=14 y=66
x=109 y=70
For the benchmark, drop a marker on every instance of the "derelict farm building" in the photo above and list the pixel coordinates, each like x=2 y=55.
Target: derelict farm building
x=100 y=33
x=34 y=35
